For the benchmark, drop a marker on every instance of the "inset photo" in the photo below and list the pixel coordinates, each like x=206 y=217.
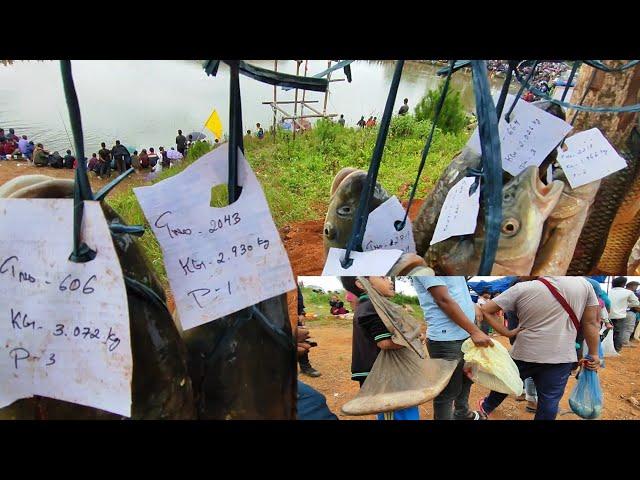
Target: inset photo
x=468 y=348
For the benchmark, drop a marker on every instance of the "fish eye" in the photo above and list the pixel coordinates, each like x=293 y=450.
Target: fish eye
x=510 y=227
x=507 y=197
x=345 y=210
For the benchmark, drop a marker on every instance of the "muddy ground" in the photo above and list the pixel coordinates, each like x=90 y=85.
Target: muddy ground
x=620 y=379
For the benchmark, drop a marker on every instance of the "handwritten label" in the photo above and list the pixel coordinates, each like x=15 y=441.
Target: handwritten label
x=64 y=326
x=528 y=138
x=218 y=260
x=381 y=233
x=459 y=213
x=377 y=262
x=589 y=157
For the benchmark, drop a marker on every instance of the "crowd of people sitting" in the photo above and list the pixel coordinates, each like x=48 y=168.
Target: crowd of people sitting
x=102 y=163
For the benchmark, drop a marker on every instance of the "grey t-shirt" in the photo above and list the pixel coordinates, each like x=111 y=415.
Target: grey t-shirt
x=548 y=334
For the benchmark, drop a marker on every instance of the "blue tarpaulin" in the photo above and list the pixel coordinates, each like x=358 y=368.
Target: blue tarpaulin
x=495 y=286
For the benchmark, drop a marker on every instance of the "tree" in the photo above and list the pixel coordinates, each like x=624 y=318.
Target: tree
x=452 y=117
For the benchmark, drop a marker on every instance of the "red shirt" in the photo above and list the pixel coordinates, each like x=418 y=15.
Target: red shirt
x=9 y=148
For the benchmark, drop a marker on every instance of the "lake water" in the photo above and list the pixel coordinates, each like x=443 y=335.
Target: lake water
x=143 y=103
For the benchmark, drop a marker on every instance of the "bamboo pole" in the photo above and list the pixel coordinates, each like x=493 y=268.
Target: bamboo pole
x=295 y=105
x=304 y=92
x=326 y=93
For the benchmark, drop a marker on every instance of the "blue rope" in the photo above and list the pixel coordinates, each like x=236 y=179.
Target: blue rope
x=574 y=69
x=82 y=188
x=505 y=88
x=491 y=164
x=399 y=225
x=235 y=135
x=355 y=242
x=507 y=117
x=601 y=66
x=578 y=107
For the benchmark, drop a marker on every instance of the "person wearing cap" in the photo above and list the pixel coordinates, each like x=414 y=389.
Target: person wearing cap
x=624 y=304
x=633 y=286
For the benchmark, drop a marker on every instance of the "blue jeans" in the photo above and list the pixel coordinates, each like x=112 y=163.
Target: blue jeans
x=312 y=405
x=411 y=413
x=453 y=402
x=550 y=380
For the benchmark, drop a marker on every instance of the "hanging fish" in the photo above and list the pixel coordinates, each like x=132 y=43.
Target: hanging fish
x=561 y=230
x=243 y=366
x=161 y=386
x=463 y=163
x=526 y=204
x=345 y=197
x=608 y=201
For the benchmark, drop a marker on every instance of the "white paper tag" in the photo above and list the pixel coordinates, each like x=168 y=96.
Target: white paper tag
x=528 y=138
x=376 y=263
x=589 y=157
x=381 y=233
x=459 y=213
x=64 y=326
x=218 y=260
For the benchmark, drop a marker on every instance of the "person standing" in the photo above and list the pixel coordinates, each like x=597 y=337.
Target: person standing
x=303 y=358
x=119 y=153
x=104 y=155
x=622 y=300
x=404 y=109
x=551 y=312
x=181 y=143
x=482 y=299
x=361 y=123
x=259 y=131
x=451 y=318
x=341 y=120
x=633 y=286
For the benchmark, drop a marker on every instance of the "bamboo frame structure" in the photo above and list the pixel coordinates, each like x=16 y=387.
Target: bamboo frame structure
x=277 y=105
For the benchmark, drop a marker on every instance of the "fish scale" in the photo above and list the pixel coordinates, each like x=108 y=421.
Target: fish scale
x=593 y=237
x=624 y=232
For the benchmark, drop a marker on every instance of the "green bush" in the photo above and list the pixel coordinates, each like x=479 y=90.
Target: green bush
x=452 y=117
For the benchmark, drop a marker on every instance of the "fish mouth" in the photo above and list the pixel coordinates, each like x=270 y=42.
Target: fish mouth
x=544 y=193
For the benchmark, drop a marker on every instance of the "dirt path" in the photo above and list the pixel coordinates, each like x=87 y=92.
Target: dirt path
x=620 y=379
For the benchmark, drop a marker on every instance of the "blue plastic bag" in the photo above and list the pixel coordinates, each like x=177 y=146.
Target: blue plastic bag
x=586 y=397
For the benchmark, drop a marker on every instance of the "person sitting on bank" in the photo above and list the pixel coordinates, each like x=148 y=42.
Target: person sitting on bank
x=94 y=164
x=153 y=157
x=135 y=160
x=29 y=152
x=144 y=159
x=404 y=109
x=40 y=156
x=22 y=145
x=259 y=131
x=56 y=160
x=69 y=160
x=337 y=307
x=166 y=163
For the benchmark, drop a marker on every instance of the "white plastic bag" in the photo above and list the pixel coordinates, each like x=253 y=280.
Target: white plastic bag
x=607 y=346
x=492 y=367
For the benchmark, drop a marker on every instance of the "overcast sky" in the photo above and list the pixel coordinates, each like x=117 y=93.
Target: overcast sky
x=402 y=285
